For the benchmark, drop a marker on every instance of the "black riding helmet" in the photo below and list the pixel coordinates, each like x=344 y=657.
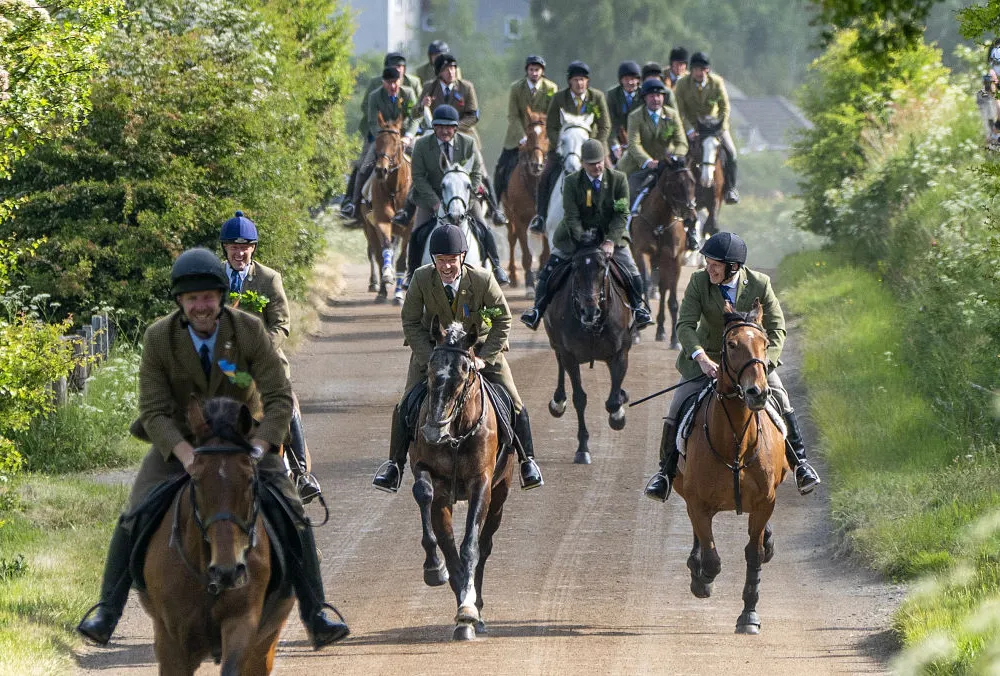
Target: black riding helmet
x=726 y=247
x=577 y=68
x=446 y=240
x=629 y=68
x=443 y=60
x=437 y=47
x=198 y=270
x=534 y=60
x=394 y=59
x=652 y=69
x=700 y=59
x=653 y=85
x=678 y=54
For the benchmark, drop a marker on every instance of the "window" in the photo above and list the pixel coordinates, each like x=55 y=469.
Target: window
x=427 y=24
x=512 y=27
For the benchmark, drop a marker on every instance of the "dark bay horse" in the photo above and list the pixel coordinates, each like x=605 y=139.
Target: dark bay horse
x=705 y=159
x=589 y=320
x=457 y=456
x=658 y=235
x=519 y=198
x=208 y=564
x=391 y=181
x=735 y=460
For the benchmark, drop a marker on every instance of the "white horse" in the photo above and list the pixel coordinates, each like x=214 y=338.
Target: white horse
x=574 y=131
x=456 y=193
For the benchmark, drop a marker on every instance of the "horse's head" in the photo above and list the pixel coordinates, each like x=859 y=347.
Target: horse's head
x=536 y=142
x=678 y=187
x=388 y=147
x=456 y=190
x=224 y=488
x=574 y=131
x=744 y=356
x=451 y=374
x=591 y=268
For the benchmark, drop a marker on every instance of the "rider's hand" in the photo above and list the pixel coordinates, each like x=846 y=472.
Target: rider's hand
x=480 y=364
x=184 y=452
x=425 y=102
x=608 y=247
x=708 y=367
x=692 y=134
x=653 y=164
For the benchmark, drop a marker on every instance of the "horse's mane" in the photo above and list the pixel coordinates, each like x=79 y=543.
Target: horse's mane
x=735 y=316
x=454 y=334
x=223 y=415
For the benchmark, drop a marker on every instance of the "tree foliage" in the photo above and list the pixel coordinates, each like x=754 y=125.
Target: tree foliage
x=884 y=26
x=979 y=21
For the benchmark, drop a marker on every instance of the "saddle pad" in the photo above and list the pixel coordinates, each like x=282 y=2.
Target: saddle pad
x=366 y=189
x=503 y=405
x=411 y=405
x=687 y=420
x=143 y=521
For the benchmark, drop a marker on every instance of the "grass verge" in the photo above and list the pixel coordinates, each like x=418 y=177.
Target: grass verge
x=910 y=498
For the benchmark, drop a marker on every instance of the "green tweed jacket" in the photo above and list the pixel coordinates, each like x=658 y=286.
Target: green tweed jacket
x=405 y=107
x=428 y=169
x=700 y=324
x=170 y=373
x=426 y=74
x=648 y=141
x=600 y=216
x=266 y=281
x=374 y=85
x=426 y=299
x=462 y=98
x=694 y=101
x=620 y=109
x=519 y=99
x=594 y=103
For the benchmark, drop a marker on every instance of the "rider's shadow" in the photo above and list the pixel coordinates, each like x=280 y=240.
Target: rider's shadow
x=117 y=655
x=440 y=633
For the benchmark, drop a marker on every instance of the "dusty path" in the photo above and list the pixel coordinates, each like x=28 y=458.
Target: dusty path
x=587 y=576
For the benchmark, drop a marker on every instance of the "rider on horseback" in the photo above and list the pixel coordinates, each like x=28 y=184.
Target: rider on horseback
x=596 y=203
x=426 y=72
x=239 y=243
x=191 y=353
x=623 y=98
x=534 y=91
x=453 y=291
x=678 y=65
x=703 y=94
x=699 y=327
x=578 y=99
x=431 y=154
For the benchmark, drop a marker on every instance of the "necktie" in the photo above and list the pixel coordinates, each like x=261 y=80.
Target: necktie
x=206 y=361
x=597 y=185
x=447 y=154
x=579 y=105
x=447 y=93
x=392 y=98
x=235 y=283
x=628 y=101
x=450 y=292
x=656 y=118
x=727 y=293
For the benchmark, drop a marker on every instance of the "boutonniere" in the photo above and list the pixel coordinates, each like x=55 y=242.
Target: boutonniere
x=456 y=95
x=236 y=377
x=405 y=105
x=489 y=313
x=668 y=131
x=621 y=206
x=250 y=300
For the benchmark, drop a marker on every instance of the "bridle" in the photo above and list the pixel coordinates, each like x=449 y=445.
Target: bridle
x=572 y=152
x=396 y=159
x=461 y=200
x=675 y=203
x=735 y=376
x=467 y=387
x=601 y=297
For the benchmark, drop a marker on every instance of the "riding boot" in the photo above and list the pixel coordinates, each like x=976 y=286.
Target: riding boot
x=660 y=484
x=390 y=475
x=533 y=315
x=489 y=245
x=415 y=248
x=531 y=476
x=347 y=204
x=100 y=621
x=732 y=195
x=308 y=583
x=403 y=216
x=493 y=199
x=508 y=158
x=364 y=173
x=806 y=478
x=691 y=236
x=639 y=309
x=545 y=184
x=305 y=482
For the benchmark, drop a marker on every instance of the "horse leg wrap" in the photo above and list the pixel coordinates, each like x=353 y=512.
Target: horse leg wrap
x=387 y=258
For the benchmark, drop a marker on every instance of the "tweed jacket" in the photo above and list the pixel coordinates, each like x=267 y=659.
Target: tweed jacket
x=428 y=169
x=648 y=141
x=364 y=126
x=599 y=216
x=404 y=107
x=426 y=74
x=519 y=99
x=170 y=373
x=462 y=98
x=266 y=281
x=700 y=324
x=694 y=101
x=620 y=110
x=595 y=103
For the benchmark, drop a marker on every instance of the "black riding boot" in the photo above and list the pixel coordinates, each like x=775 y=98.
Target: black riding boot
x=691 y=236
x=390 y=475
x=531 y=476
x=493 y=198
x=732 y=194
x=489 y=245
x=533 y=315
x=403 y=216
x=308 y=583
x=347 y=204
x=363 y=175
x=505 y=165
x=545 y=183
x=415 y=247
x=100 y=621
x=806 y=478
x=306 y=484
x=660 y=484
x=642 y=318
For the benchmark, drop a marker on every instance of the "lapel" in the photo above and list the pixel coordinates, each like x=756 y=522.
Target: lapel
x=716 y=293
x=440 y=298
x=741 y=283
x=251 y=273
x=187 y=357
x=464 y=298
x=224 y=338
x=605 y=188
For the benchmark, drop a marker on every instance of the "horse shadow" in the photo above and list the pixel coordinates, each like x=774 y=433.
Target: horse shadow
x=497 y=629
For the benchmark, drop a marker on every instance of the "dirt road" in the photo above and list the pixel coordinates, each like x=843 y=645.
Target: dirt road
x=587 y=575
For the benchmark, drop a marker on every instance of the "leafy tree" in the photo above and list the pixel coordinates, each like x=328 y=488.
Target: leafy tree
x=884 y=26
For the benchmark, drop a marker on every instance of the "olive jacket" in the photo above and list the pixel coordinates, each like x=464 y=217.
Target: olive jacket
x=519 y=99
x=647 y=141
x=428 y=167
x=594 y=103
x=587 y=212
x=266 y=282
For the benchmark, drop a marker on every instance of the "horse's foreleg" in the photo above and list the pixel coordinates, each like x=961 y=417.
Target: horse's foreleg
x=435 y=572
x=490 y=527
x=526 y=261
x=173 y=656
x=479 y=505
x=749 y=621
x=672 y=305
x=236 y=635
x=580 y=404
x=441 y=516
x=710 y=565
x=511 y=244
x=558 y=404
x=615 y=405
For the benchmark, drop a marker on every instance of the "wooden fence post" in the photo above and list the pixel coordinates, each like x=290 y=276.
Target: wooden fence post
x=99 y=324
x=84 y=348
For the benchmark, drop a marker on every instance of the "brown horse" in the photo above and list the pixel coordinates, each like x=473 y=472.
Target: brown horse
x=589 y=320
x=391 y=182
x=457 y=456
x=735 y=459
x=705 y=159
x=519 y=198
x=658 y=235
x=208 y=565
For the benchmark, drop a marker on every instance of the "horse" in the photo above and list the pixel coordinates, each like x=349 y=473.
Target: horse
x=589 y=319
x=390 y=184
x=456 y=193
x=703 y=154
x=574 y=131
x=519 y=198
x=658 y=234
x=457 y=456
x=735 y=459
x=208 y=566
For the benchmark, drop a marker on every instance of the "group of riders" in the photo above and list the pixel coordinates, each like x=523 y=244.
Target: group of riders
x=208 y=348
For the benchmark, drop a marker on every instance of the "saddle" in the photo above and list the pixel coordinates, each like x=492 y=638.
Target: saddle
x=691 y=405
x=499 y=398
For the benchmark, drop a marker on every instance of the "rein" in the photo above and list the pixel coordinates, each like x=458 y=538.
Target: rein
x=601 y=298
x=675 y=205
x=396 y=160
x=455 y=442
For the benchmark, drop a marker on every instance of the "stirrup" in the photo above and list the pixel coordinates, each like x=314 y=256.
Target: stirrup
x=520 y=473
x=531 y=318
x=384 y=467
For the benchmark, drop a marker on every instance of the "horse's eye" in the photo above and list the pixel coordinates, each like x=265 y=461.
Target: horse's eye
x=732 y=345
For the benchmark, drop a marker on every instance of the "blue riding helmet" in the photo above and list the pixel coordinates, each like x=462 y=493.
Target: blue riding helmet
x=238 y=229
x=437 y=47
x=577 y=68
x=629 y=68
x=445 y=115
x=653 y=85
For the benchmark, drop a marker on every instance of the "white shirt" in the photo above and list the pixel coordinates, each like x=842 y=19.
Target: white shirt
x=454 y=285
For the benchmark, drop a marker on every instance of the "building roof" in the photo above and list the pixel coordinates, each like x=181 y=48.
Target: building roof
x=766 y=122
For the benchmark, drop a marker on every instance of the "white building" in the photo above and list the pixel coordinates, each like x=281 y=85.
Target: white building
x=386 y=26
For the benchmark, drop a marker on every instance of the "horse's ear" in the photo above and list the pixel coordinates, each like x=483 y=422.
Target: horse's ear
x=472 y=337
x=562 y=117
x=756 y=312
x=437 y=334
x=728 y=309
x=468 y=164
x=588 y=120
x=244 y=422
x=196 y=418
x=381 y=120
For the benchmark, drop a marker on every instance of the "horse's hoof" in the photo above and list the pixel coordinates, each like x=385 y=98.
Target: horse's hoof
x=749 y=623
x=529 y=292
x=435 y=577
x=481 y=626
x=581 y=458
x=468 y=614
x=373 y=287
x=768 y=551
x=636 y=339
x=661 y=336
x=700 y=589
x=617 y=420
x=675 y=345
x=381 y=298
x=557 y=408
x=464 y=632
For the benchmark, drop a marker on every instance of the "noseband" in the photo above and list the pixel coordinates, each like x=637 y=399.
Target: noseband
x=735 y=376
x=460 y=199
x=455 y=442
x=396 y=160
x=601 y=297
